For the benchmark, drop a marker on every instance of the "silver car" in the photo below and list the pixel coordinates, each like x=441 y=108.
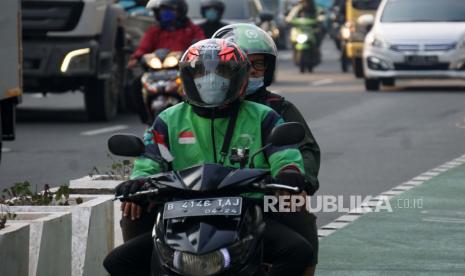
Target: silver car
x=414 y=39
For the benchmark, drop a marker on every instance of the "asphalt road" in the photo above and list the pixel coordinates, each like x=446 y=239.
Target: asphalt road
x=370 y=142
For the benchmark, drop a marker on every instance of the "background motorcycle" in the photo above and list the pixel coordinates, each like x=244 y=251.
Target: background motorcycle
x=304 y=38
x=205 y=226
x=160 y=82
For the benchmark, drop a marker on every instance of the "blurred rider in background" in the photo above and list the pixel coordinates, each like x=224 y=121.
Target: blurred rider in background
x=212 y=11
x=174 y=31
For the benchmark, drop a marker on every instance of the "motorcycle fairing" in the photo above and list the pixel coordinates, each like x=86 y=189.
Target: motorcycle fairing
x=209 y=177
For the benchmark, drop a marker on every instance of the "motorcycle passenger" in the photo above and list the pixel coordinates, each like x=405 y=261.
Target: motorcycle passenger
x=262 y=53
x=215 y=74
x=174 y=31
x=212 y=11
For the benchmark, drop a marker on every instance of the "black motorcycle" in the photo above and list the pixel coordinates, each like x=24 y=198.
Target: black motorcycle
x=206 y=224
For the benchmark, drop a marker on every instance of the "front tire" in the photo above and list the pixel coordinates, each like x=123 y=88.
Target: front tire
x=372 y=84
x=389 y=82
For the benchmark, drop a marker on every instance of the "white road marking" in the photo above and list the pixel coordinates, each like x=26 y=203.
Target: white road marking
x=417 y=181
x=322 y=82
x=104 y=130
x=38 y=95
x=444 y=220
x=6 y=150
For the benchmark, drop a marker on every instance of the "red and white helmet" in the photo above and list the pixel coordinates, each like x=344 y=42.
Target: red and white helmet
x=214 y=73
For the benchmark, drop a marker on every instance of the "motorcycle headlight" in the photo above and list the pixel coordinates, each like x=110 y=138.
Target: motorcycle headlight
x=201 y=265
x=170 y=62
x=302 y=38
x=154 y=63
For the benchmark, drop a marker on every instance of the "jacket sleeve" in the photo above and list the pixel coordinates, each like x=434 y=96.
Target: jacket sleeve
x=146 y=44
x=309 y=147
x=284 y=157
x=156 y=142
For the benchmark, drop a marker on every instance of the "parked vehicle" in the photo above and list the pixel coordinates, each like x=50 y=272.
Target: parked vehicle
x=75 y=45
x=412 y=39
x=10 y=69
x=305 y=44
x=160 y=82
x=353 y=34
x=208 y=202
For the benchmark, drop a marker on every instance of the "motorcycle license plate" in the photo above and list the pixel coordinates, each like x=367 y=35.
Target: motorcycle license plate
x=422 y=60
x=203 y=207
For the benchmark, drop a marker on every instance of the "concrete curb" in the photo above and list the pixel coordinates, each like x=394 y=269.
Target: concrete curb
x=49 y=242
x=14 y=249
x=95 y=185
x=369 y=206
x=92 y=232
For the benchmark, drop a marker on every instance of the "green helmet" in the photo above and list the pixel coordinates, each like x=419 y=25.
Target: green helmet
x=252 y=40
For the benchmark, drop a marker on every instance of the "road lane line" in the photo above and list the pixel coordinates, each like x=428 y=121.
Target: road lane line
x=444 y=220
x=357 y=212
x=6 y=150
x=322 y=82
x=104 y=130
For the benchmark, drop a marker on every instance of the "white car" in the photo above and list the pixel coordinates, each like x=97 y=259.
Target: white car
x=414 y=39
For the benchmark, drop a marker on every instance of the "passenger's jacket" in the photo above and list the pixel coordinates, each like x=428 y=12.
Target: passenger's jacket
x=178 y=39
x=309 y=147
x=193 y=138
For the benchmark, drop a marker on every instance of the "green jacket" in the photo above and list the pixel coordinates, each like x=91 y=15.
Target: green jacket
x=308 y=147
x=194 y=139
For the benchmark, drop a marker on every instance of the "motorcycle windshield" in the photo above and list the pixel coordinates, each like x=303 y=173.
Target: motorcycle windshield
x=209 y=177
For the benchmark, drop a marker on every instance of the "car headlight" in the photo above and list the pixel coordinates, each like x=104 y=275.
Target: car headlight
x=462 y=44
x=170 y=62
x=376 y=42
x=302 y=38
x=76 y=60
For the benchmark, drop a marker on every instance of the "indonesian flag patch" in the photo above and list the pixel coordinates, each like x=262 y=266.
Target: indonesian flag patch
x=186 y=137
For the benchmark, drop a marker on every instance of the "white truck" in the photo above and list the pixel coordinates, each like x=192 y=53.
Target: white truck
x=72 y=45
x=10 y=68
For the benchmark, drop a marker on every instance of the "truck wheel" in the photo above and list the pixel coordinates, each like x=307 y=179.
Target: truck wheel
x=101 y=99
x=372 y=84
x=1 y=136
x=122 y=78
x=358 y=67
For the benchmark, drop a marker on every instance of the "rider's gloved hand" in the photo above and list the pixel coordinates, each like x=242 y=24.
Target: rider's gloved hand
x=129 y=187
x=291 y=177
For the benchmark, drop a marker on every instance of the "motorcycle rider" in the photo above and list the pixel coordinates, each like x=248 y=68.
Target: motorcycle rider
x=174 y=31
x=307 y=9
x=262 y=53
x=214 y=74
x=212 y=11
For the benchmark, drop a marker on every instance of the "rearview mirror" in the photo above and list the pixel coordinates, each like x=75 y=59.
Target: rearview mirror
x=126 y=145
x=290 y=133
x=266 y=16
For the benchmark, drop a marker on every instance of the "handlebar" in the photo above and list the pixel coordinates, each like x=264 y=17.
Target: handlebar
x=261 y=186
